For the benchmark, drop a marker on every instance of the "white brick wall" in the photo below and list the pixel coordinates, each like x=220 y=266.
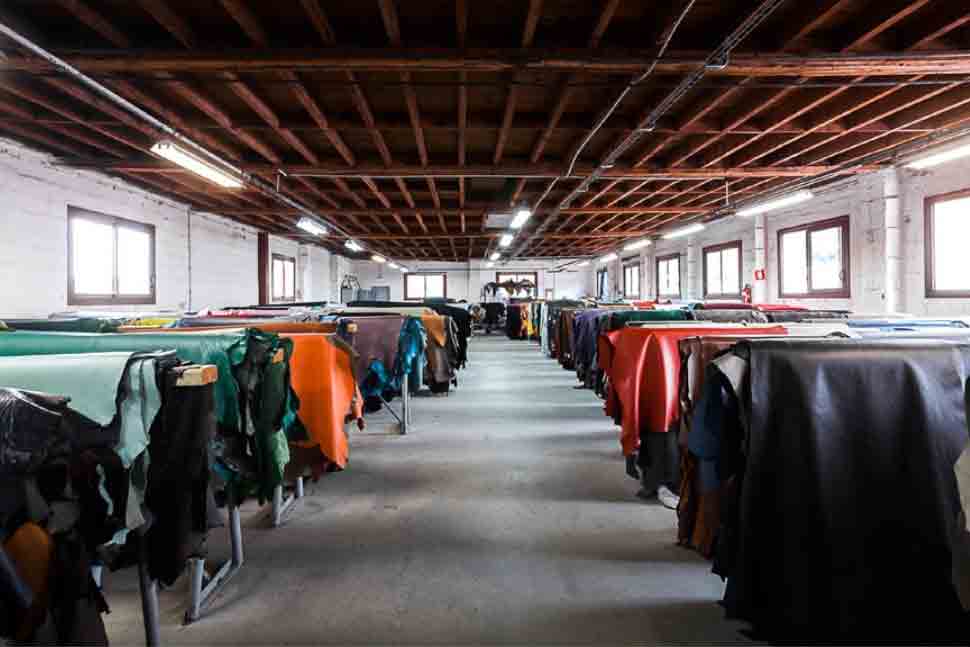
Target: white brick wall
x=33 y=241
x=223 y=267
x=465 y=280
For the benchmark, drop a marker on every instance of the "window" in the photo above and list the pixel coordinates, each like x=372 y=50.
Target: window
x=668 y=277
x=947 y=232
x=722 y=270
x=425 y=286
x=110 y=260
x=502 y=277
x=601 y=284
x=631 y=281
x=813 y=260
x=284 y=278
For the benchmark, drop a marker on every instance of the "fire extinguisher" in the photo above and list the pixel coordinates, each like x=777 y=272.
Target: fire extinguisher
x=746 y=294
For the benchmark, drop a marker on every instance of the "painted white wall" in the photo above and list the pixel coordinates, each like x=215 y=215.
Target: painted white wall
x=864 y=199
x=33 y=242
x=222 y=262
x=466 y=280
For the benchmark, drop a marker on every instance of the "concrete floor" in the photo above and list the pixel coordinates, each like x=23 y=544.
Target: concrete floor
x=504 y=517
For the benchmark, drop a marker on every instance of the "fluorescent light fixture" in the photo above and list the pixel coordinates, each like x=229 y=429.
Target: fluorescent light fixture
x=521 y=217
x=583 y=264
x=353 y=246
x=637 y=244
x=495 y=256
x=505 y=240
x=490 y=264
x=394 y=266
x=609 y=257
x=780 y=203
x=311 y=226
x=684 y=231
x=940 y=158
x=178 y=155
x=377 y=258
x=404 y=269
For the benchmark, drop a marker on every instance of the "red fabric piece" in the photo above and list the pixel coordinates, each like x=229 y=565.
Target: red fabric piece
x=779 y=307
x=643 y=365
x=644 y=305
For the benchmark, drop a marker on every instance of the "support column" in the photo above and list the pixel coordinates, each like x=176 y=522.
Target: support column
x=759 y=287
x=262 y=273
x=694 y=290
x=648 y=266
x=893 y=261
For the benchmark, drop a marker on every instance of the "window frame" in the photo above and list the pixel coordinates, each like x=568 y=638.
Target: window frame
x=444 y=279
x=680 y=288
x=718 y=249
x=272 y=276
x=845 y=292
x=626 y=293
x=602 y=284
x=929 y=253
x=75 y=298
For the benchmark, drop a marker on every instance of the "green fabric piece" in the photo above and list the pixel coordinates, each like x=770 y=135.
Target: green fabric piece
x=72 y=324
x=90 y=380
x=622 y=318
x=247 y=378
x=225 y=350
x=105 y=388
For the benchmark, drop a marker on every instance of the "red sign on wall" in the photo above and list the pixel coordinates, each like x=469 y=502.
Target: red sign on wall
x=760 y=275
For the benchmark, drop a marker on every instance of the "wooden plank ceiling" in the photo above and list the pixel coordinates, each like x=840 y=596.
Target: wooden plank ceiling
x=407 y=122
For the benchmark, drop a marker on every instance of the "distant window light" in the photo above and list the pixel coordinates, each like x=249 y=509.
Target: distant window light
x=813 y=260
x=668 y=276
x=722 y=271
x=631 y=281
x=418 y=287
x=111 y=260
x=947 y=232
x=284 y=278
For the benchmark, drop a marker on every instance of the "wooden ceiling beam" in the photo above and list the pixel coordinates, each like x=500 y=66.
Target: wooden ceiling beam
x=743 y=64
x=861 y=42
x=513 y=169
x=88 y=16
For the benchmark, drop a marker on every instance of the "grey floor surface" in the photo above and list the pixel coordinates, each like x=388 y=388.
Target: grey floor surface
x=504 y=517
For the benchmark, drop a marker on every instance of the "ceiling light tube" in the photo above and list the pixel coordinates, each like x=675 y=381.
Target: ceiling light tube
x=495 y=256
x=583 y=264
x=353 y=246
x=637 y=244
x=191 y=162
x=394 y=266
x=609 y=257
x=403 y=269
x=490 y=264
x=505 y=240
x=377 y=258
x=521 y=217
x=684 y=231
x=772 y=205
x=942 y=157
x=311 y=227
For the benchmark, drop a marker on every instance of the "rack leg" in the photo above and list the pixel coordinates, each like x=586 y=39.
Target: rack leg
x=149 y=603
x=204 y=589
x=405 y=404
x=299 y=487
x=235 y=536
x=197 y=575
